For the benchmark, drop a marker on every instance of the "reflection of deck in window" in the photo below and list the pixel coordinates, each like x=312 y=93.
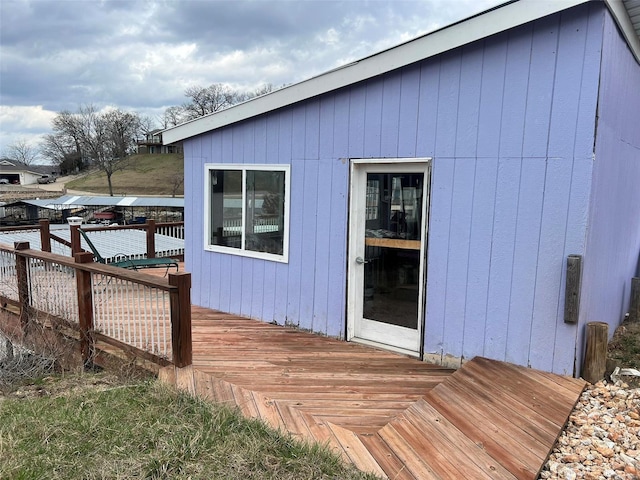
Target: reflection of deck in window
x=233 y=226
x=373 y=199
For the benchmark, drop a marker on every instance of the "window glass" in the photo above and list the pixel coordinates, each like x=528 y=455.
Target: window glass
x=248 y=210
x=226 y=208
x=264 y=207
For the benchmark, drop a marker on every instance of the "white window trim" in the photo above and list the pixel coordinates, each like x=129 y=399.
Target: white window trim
x=284 y=258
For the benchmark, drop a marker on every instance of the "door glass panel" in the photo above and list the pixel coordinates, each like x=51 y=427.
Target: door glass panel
x=393 y=233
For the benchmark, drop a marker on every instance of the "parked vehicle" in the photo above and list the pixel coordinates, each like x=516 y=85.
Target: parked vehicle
x=4 y=181
x=47 y=179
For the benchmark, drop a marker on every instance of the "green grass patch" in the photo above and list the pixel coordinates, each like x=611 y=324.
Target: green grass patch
x=146 y=174
x=149 y=431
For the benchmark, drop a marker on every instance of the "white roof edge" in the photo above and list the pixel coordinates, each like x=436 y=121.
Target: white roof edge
x=498 y=19
x=126 y=201
x=619 y=13
x=71 y=200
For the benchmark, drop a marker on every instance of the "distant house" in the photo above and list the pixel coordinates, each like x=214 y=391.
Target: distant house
x=17 y=173
x=427 y=199
x=152 y=143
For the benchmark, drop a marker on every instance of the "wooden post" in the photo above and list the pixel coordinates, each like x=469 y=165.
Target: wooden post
x=151 y=239
x=85 y=309
x=595 y=357
x=45 y=236
x=24 y=296
x=572 y=289
x=181 y=319
x=75 y=240
x=634 y=309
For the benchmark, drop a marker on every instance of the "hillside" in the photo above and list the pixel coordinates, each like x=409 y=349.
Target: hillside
x=146 y=174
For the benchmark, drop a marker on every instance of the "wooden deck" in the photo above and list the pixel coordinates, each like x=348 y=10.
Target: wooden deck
x=388 y=414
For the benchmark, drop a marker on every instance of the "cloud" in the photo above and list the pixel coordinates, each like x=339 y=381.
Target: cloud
x=141 y=55
x=31 y=118
x=26 y=123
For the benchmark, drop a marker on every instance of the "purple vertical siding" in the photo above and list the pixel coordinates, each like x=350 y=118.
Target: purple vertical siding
x=508 y=122
x=516 y=82
x=492 y=86
x=408 y=112
x=501 y=269
x=391 y=115
x=373 y=118
x=357 y=102
x=441 y=181
x=337 y=211
x=464 y=170
x=484 y=195
x=448 y=97
x=338 y=248
x=502 y=225
x=309 y=261
x=525 y=259
x=613 y=241
x=469 y=103
x=540 y=93
x=428 y=102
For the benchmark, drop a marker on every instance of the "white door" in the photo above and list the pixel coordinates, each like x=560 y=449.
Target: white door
x=386 y=261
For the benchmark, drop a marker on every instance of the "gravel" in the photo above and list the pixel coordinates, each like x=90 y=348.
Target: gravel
x=602 y=437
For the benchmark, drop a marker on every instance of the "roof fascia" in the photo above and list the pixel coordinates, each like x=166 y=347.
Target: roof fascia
x=491 y=22
x=621 y=17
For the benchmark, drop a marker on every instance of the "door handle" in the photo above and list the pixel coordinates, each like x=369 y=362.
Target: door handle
x=361 y=261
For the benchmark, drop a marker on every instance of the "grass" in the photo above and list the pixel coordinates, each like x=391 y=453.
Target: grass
x=145 y=174
x=624 y=347
x=147 y=430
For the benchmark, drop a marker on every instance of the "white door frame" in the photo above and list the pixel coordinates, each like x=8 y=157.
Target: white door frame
x=402 y=339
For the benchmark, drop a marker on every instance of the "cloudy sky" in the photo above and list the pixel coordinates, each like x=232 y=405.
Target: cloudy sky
x=141 y=55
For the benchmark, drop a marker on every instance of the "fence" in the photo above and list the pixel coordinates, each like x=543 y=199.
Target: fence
x=139 y=313
x=50 y=242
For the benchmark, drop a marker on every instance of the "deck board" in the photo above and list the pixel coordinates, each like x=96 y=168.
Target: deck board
x=386 y=413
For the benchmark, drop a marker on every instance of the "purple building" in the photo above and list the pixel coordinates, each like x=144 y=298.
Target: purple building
x=426 y=199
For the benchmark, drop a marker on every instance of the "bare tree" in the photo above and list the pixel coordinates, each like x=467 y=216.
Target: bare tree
x=64 y=146
x=22 y=151
x=172 y=116
x=177 y=180
x=205 y=100
x=61 y=152
x=108 y=138
x=258 y=92
x=104 y=138
x=147 y=124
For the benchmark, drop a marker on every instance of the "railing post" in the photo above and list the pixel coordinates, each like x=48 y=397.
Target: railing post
x=181 y=319
x=75 y=240
x=85 y=308
x=594 y=365
x=151 y=238
x=45 y=236
x=24 y=296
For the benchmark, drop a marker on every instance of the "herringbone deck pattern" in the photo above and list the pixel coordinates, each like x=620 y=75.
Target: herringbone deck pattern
x=388 y=414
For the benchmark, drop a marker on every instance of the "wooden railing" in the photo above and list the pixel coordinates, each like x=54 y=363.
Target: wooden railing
x=151 y=228
x=135 y=312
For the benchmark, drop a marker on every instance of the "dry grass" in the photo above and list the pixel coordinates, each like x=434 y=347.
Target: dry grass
x=144 y=175
x=99 y=428
x=624 y=349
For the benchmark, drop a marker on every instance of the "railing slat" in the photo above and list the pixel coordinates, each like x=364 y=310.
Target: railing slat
x=146 y=312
